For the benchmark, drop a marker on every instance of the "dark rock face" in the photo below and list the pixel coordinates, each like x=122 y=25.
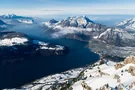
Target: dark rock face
x=79 y=36
x=14 y=51
x=2 y=23
x=52 y=21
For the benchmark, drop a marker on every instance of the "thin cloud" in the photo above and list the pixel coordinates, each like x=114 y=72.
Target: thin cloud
x=73 y=10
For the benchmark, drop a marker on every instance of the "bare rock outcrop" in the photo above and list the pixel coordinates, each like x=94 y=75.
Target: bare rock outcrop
x=132 y=70
x=130 y=59
x=119 y=65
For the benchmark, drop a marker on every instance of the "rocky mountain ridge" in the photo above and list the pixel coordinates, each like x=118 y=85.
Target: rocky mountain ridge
x=15 y=19
x=128 y=24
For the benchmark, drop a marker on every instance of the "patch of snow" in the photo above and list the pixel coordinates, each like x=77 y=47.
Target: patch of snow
x=58 y=47
x=39 y=42
x=25 y=21
x=48 y=81
x=13 y=41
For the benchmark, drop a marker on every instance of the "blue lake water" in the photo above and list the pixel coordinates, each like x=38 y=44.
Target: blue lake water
x=23 y=72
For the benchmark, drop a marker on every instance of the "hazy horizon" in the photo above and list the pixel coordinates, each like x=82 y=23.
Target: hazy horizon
x=67 y=7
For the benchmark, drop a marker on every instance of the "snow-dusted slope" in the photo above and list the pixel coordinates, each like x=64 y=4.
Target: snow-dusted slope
x=94 y=77
x=119 y=37
x=128 y=24
x=115 y=78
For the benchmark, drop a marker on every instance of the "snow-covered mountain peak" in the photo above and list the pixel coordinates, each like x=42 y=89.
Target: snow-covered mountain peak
x=128 y=24
x=9 y=15
x=81 y=21
x=53 y=21
x=78 y=22
x=75 y=24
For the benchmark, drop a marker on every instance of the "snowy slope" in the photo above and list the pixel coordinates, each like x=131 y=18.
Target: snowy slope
x=72 y=80
x=97 y=81
x=119 y=37
x=128 y=24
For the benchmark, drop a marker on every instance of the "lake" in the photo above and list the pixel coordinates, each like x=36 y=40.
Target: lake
x=30 y=69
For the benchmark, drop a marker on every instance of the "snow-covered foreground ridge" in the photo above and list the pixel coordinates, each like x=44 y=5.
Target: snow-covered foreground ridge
x=103 y=75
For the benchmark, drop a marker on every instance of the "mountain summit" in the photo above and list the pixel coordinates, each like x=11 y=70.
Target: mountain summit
x=14 y=19
x=75 y=23
x=81 y=21
x=128 y=24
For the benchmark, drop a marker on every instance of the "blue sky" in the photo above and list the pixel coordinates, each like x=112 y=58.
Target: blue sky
x=56 y=7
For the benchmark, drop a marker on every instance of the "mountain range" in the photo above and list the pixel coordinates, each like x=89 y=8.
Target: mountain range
x=111 y=43
x=128 y=24
x=15 y=19
x=101 y=38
